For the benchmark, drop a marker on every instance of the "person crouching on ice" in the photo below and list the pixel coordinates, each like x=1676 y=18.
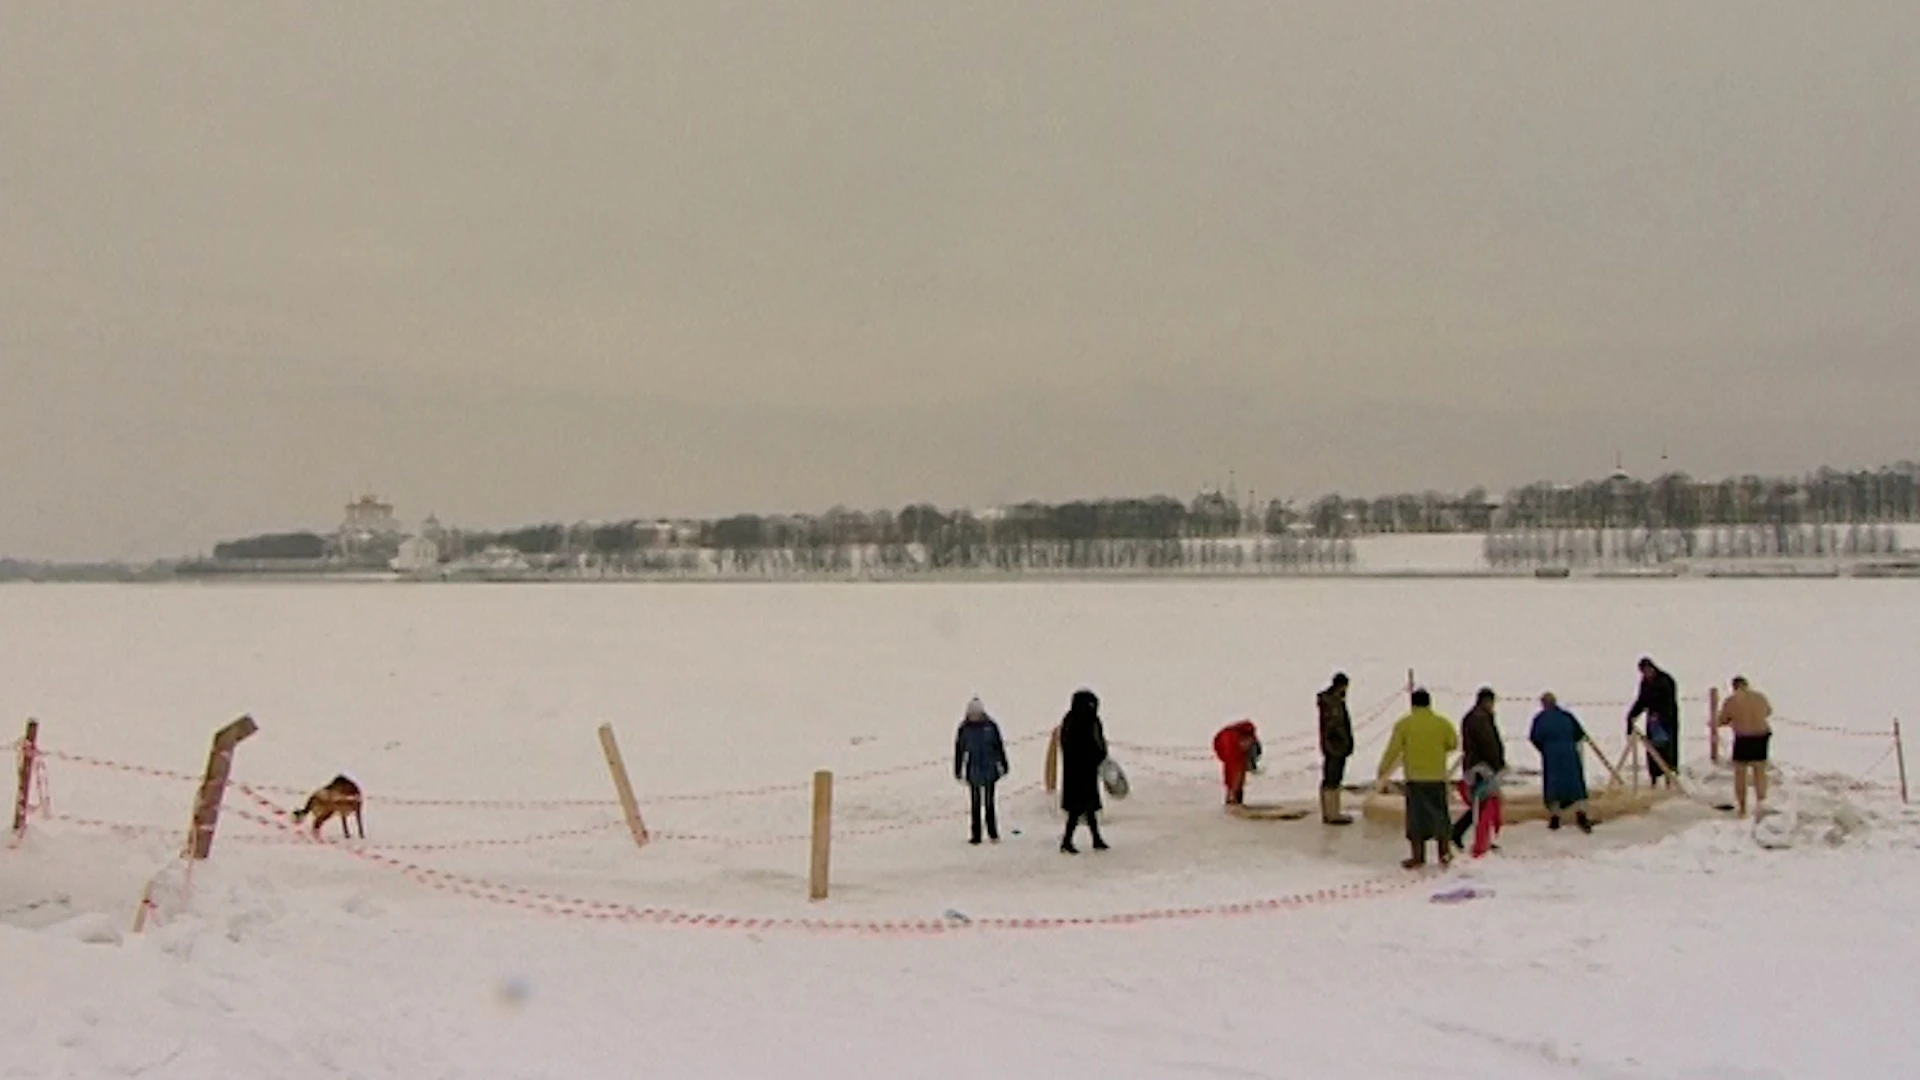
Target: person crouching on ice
x=980 y=761
x=1420 y=745
x=1238 y=747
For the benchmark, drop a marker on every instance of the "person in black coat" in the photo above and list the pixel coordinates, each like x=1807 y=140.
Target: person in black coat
x=1659 y=700
x=1481 y=747
x=1083 y=748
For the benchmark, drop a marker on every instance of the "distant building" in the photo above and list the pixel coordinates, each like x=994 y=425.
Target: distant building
x=369 y=530
x=417 y=554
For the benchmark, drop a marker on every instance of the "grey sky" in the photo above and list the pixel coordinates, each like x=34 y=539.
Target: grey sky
x=513 y=262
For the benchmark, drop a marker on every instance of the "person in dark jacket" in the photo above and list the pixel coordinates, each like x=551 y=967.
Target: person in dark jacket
x=1483 y=757
x=1659 y=701
x=1083 y=748
x=980 y=761
x=1336 y=746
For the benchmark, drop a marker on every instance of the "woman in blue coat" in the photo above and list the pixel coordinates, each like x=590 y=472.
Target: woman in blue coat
x=980 y=762
x=1557 y=734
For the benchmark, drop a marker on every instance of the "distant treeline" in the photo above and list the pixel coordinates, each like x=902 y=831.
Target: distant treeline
x=1158 y=531
x=19 y=570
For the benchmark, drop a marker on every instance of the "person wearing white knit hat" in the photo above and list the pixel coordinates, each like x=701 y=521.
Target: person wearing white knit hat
x=980 y=761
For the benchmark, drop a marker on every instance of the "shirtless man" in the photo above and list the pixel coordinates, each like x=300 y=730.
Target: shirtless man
x=1749 y=714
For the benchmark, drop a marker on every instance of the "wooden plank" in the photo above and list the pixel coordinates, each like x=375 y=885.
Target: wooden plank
x=622 y=785
x=1900 y=757
x=820 y=869
x=213 y=786
x=1052 y=768
x=1713 y=726
x=23 y=798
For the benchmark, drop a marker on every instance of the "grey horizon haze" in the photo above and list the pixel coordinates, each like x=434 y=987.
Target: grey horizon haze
x=523 y=262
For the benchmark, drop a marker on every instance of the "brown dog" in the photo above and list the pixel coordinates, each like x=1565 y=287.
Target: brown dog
x=341 y=796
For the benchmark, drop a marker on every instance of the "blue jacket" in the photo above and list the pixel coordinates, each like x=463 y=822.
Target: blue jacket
x=1563 y=776
x=979 y=756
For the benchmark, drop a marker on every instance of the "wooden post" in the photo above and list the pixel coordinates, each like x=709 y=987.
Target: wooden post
x=146 y=907
x=1052 y=769
x=622 y=785
x=1713 y=729
x=822 y=835
x=213 y=786
x=1900 y=758
x=29 y=746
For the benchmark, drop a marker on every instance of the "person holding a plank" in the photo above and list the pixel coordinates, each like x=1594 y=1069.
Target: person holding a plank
x=1659 y=700
x=1557 y=734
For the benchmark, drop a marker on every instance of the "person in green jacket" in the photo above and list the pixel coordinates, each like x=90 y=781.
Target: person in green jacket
x=1421 y=743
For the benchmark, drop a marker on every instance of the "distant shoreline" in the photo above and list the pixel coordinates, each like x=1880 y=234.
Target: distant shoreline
x=1823 y=571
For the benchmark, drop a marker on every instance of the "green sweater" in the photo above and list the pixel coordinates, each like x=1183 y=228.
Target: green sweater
x=1423 y=739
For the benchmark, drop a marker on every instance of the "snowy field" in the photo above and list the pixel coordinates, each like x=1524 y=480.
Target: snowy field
x=498 y=921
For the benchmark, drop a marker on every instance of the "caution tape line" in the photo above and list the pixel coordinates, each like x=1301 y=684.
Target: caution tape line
x=441 y=845
x=1829 y=729
x=672 y=836
x=521 y=804
x=576 y=907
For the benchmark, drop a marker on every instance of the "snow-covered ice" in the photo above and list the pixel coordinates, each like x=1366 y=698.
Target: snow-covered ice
x=464 y=938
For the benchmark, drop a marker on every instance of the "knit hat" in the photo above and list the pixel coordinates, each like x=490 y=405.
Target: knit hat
x=975 y=710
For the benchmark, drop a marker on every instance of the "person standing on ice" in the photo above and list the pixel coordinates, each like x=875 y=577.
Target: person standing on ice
x=1421 y=743
x=1083 y=748
x=1660 y=700
x=980 y=761
x=1238 y=747
x=1483 y=757
x=1557 y=734
x=1748 y=712
x=1336 y=746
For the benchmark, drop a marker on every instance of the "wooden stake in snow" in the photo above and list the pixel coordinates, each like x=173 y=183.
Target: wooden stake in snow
x=146 y=906
x=29 y=746
x=822 y=835
x=1900 y=759
x=213 y=786
x=622 y=785
x=1713 y=729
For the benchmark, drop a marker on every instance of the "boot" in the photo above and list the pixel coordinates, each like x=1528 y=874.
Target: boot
x=1330 y=808
x=1585 y=823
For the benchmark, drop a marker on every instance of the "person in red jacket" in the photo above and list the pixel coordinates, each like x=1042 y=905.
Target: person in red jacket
x=1238 y=747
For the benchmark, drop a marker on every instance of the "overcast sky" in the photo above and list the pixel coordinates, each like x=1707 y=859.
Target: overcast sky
x=511 y=262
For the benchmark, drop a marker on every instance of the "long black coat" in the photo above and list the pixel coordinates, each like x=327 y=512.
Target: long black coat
x=1660 y=700
x=1083 y=747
